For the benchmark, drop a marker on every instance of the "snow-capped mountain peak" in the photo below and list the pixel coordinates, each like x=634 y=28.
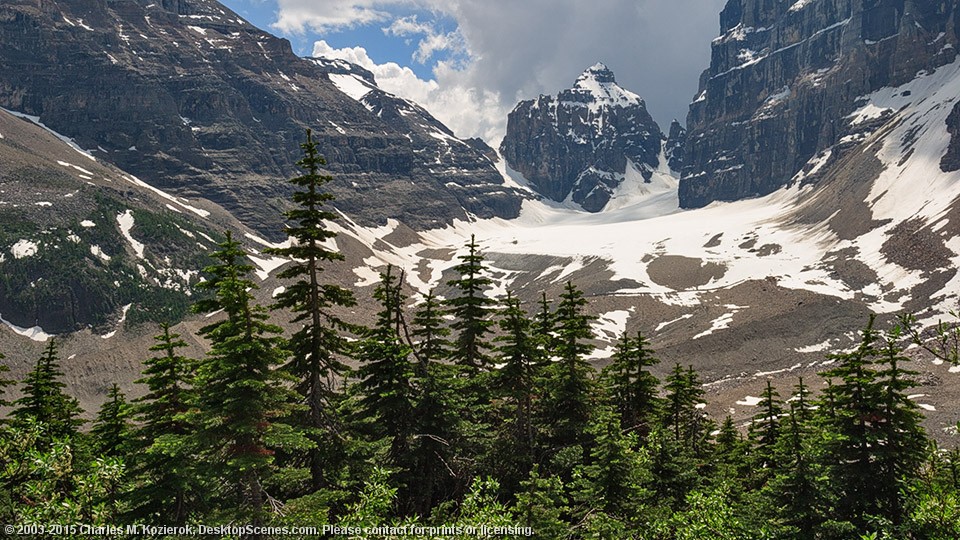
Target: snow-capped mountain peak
x=579 y=145
x=599 y=85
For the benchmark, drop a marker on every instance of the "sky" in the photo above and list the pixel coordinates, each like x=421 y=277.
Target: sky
x=469 y=62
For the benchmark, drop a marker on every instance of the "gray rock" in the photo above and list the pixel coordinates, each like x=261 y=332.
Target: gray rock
x=784 y=75
x=193 y=99
x=577 y=144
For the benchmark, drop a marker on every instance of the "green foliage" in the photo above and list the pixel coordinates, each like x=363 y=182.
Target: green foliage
x=45 y=402
x=4 y=383
x=633 y=389
x=319 y=344
x=472 y=311
x=164 y=466
x=111 y=430
x=241 y=397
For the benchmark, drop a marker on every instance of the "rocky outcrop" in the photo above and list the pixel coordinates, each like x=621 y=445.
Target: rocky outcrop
x=785 y=76
x=577 y=144
x=674 y=146
x=951 y=160
x=193 y=99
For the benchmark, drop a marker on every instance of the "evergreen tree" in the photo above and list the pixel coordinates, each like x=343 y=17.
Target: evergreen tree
x=542 y=504
x=45 y=402
x=764 y=430
x=240 y=396
x=4 y=383
x=543 y=330
x=569 y=392
x=633 y=388
x=514 y=385
x=904 y=442
x=436 y=431
x=798 y=501
x=613 y=477
x=876 y=444
x=317 y=346
x=164 y=466
x=472 y=311
x=111 y=429
x=430 y=334
x=386 y=373
x=681 y=414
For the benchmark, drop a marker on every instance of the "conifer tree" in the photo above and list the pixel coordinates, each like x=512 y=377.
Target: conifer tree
x=875 y=429
x=633 y=388
x=569 y=393
x=386 y=373
x=681 y=415
x=514 y=385
x=472 y=311
x=44 y=400
x=614 y=474
x=4 y=383
x=241 y=397
x=798 y=500
x=164 y=466
x=765 y=428
x=111 y=429
x=543 y=330
x=430 y=334
x=905 y=443
x=436 y=431
x=317 y=346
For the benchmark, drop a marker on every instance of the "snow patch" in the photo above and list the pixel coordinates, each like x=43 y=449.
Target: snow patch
x=35 y=333
x=24 y=248
x=125 y=221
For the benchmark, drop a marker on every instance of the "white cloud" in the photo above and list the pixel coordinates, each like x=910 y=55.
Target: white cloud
x=468 y=111
x=513 y=50
x=432 y=41
x=296 y=16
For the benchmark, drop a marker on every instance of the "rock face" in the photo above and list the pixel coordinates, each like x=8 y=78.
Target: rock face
x=674 y=146
x=577 y=144
x=193 y=99
x=784 y=77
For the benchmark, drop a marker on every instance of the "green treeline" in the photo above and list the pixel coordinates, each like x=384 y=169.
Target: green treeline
x=465 y=411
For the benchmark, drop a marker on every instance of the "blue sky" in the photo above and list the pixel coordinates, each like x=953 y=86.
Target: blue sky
x=470 y=61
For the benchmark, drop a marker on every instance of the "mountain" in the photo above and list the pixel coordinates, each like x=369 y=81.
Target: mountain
x=83 y=241
x=583 y=143
x=785 y=78
x=192 y=99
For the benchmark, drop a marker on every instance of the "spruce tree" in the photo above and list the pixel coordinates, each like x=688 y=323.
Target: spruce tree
x=111 y=429
x=876 y=444
x=764 y=430
x=430 y=334
x=437 y=414
x=472 y=311
x=164 y=466
x=681 y=414
x=316 y=348
x=514 y=387
x=543 y=330
x=45 y=402
x=905 y=442
x=4 y=383
x=633 y=388
x=386 y=373
x=241 y=397
x=569 y=393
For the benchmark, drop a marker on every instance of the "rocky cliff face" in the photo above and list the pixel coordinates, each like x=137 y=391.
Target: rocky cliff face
x=193 y=99
x=577 y=144
x=785 y=76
